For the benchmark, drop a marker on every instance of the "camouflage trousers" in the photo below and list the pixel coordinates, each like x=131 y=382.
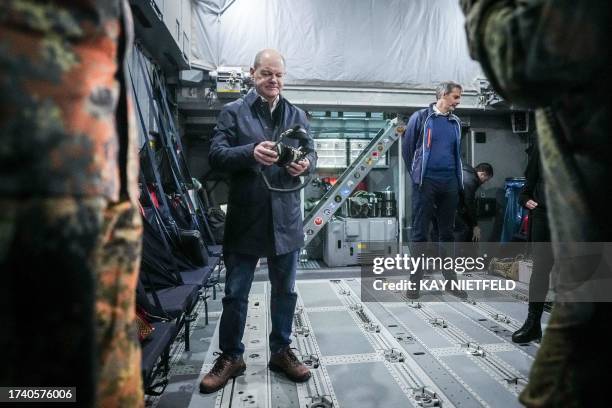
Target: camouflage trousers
x=70 y=268
x=571 y=367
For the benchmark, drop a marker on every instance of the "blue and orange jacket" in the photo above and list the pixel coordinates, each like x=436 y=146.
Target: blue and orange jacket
x=417 y=140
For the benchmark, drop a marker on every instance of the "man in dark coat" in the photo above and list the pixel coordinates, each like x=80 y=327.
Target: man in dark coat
x=259 y=222
x=466 y=222
x=533 y=198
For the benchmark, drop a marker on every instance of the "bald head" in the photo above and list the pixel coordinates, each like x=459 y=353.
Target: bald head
x=268 y=54
x=268 y=74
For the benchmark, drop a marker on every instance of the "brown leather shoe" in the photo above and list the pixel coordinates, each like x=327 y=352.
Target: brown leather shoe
x=286 y=362
x=225 y=367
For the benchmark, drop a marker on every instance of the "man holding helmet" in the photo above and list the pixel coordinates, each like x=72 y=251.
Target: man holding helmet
x=259 y=222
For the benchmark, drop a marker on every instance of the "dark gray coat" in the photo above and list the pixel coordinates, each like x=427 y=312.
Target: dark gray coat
x=467 y=198
x=258 y=222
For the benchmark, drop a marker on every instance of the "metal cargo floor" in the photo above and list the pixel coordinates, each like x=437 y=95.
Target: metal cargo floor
x=366 y=355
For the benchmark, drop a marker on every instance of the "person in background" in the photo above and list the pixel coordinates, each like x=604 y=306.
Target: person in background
x=533 y=198
x=431 y=151
x=466 y=220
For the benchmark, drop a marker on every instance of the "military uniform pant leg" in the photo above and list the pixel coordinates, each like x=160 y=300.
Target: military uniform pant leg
x=574 y=349
x=117 y=263
x=47 y=296
x=70 y=267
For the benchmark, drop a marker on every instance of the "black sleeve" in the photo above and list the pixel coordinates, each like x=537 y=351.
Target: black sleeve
x=532 y=173
x=468 y=202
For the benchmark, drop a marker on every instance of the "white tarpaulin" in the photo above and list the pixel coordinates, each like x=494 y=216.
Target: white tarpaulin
x=413 y=43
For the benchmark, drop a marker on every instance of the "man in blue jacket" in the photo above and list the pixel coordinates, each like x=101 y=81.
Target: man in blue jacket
x=259 y=222
x=431 y=151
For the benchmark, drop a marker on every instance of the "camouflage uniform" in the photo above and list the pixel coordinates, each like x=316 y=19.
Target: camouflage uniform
x=69 y=228
x=553 y=55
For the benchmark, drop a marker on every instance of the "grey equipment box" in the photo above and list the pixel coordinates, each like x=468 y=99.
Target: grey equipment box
x=353 y=241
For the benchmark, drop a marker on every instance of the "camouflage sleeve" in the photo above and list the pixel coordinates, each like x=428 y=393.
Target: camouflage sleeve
x=63 y=110
x=531 y=49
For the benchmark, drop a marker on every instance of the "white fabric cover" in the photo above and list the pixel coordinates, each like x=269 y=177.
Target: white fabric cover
x=407 y=43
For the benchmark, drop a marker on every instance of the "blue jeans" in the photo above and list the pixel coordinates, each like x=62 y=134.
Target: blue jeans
x=239 y=274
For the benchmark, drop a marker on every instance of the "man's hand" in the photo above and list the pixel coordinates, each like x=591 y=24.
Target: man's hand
x=476 y=234
x=296 y=169
x=264 y=154
x=531 y=204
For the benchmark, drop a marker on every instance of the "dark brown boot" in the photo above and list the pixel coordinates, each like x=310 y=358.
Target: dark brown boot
x=286 y=362
x=225 y=367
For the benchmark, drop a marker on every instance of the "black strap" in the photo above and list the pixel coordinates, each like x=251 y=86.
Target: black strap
x=177 y=161
x=162 y=232
x=165 y=235
x=158 y=305
x=170 y=151
x=175 y=139
x=165 y=210
x=147 y=81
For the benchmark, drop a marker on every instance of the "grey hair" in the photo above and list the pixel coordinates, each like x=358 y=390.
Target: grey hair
x=446 y=87
x=259 y=56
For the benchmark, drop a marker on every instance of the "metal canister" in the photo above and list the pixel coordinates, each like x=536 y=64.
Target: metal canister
x=386 y=195
x=374 y=204
x=344 y=209
x=388 y=209
x=388 y=203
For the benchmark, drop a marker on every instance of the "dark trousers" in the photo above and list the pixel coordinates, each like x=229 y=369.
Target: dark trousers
x=433 y=200
x=462 y=232
x=240 y=270
x=543 y=260
x=70 y=268
x=575 y=347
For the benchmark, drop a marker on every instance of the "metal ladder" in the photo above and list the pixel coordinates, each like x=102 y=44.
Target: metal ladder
x=352 y=176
